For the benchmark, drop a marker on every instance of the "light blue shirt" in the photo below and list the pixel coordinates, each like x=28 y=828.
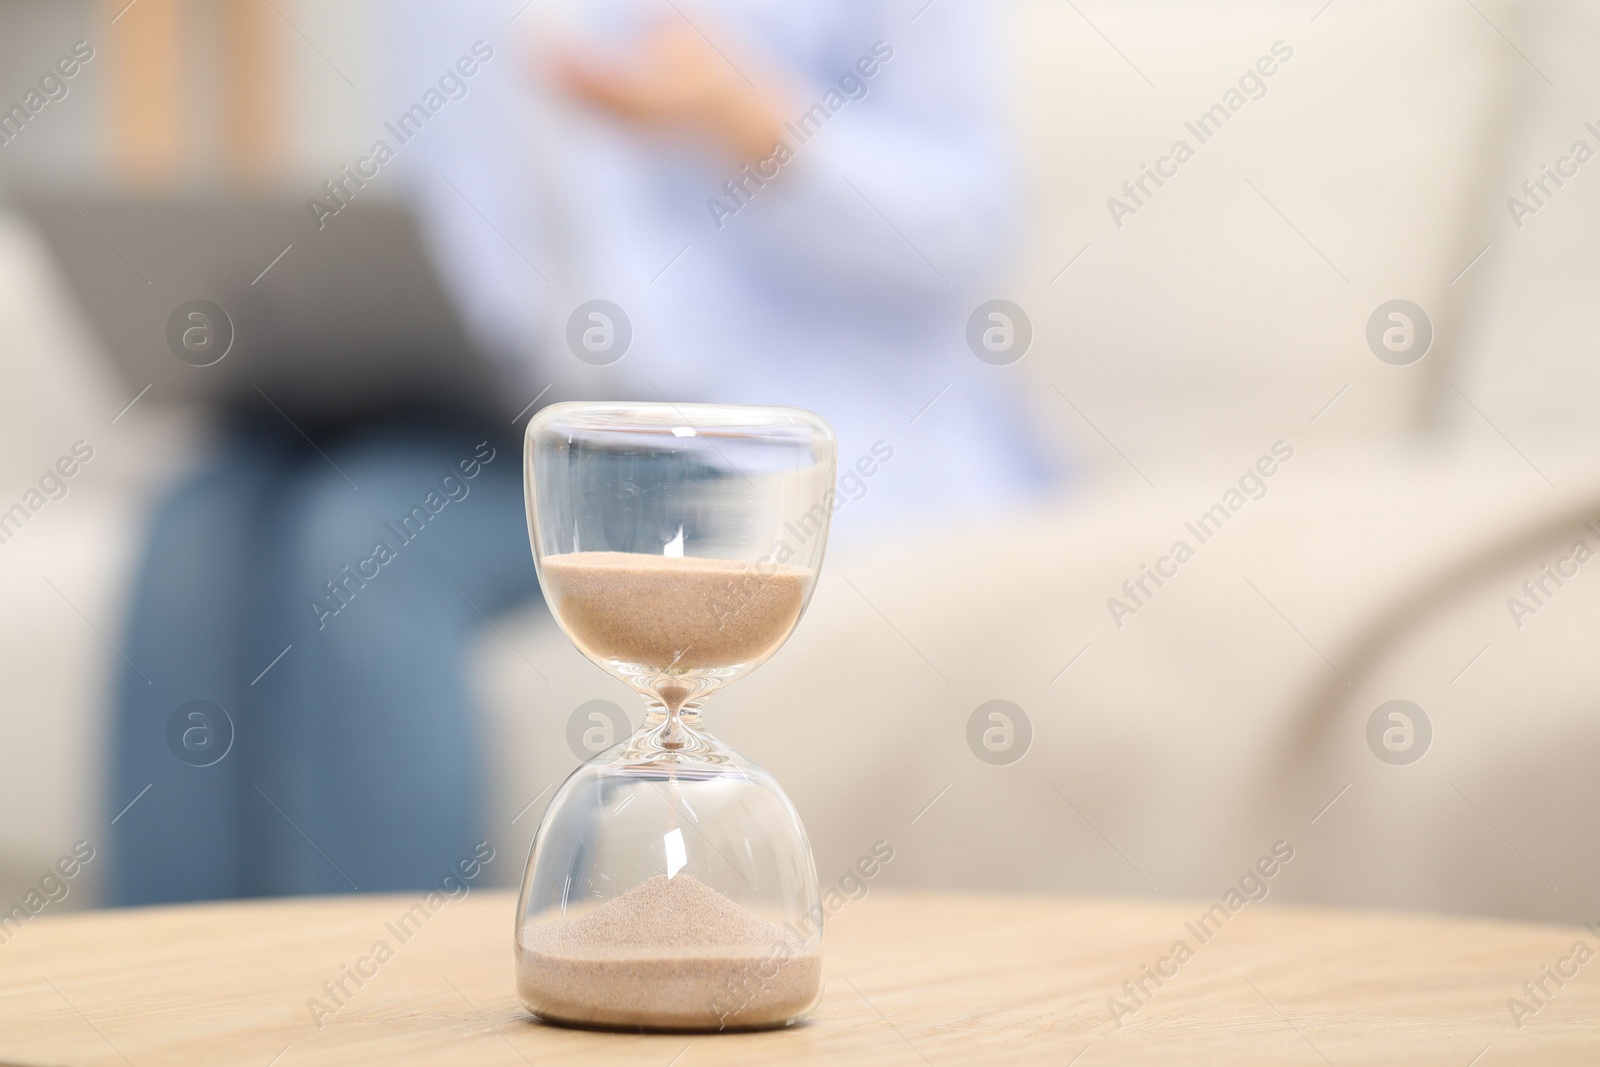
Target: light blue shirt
x=842 y=285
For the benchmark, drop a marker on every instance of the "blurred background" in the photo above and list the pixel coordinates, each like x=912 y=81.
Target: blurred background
x=1166 y=337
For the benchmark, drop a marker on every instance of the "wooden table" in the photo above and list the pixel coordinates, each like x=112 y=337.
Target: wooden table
x=936 y=979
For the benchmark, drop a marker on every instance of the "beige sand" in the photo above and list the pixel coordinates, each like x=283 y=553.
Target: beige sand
x=674 y=612
x=669 y=954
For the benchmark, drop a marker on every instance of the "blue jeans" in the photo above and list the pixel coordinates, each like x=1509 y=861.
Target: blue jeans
x=325 y=603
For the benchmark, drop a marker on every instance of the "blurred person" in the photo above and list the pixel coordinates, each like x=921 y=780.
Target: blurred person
x=792 y=203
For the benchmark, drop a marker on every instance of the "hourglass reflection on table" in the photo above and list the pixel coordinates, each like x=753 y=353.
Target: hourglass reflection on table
x=671 y=885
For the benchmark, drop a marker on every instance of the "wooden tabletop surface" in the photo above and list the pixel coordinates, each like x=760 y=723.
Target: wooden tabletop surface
x=911 y=979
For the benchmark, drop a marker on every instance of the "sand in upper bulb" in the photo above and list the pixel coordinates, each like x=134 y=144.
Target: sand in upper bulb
x=683 y=612
x=669 y=954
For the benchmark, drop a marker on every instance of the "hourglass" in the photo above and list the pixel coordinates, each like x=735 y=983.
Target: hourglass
x=671 y=885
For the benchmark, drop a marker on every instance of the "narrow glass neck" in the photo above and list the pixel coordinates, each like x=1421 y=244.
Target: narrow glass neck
x=673 y=728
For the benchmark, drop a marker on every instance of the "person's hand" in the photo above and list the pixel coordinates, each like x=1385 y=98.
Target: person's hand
x=677 y=80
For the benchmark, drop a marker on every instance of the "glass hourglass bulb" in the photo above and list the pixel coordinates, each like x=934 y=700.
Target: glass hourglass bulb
x=671 y=885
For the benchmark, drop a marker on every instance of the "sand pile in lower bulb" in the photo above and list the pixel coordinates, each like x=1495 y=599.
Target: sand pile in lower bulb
x=687 y=612
x=669 y=954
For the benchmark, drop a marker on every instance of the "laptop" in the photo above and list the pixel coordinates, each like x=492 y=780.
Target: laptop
x=244 y=302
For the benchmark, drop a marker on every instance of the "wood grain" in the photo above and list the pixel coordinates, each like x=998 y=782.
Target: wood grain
x=911 y=979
